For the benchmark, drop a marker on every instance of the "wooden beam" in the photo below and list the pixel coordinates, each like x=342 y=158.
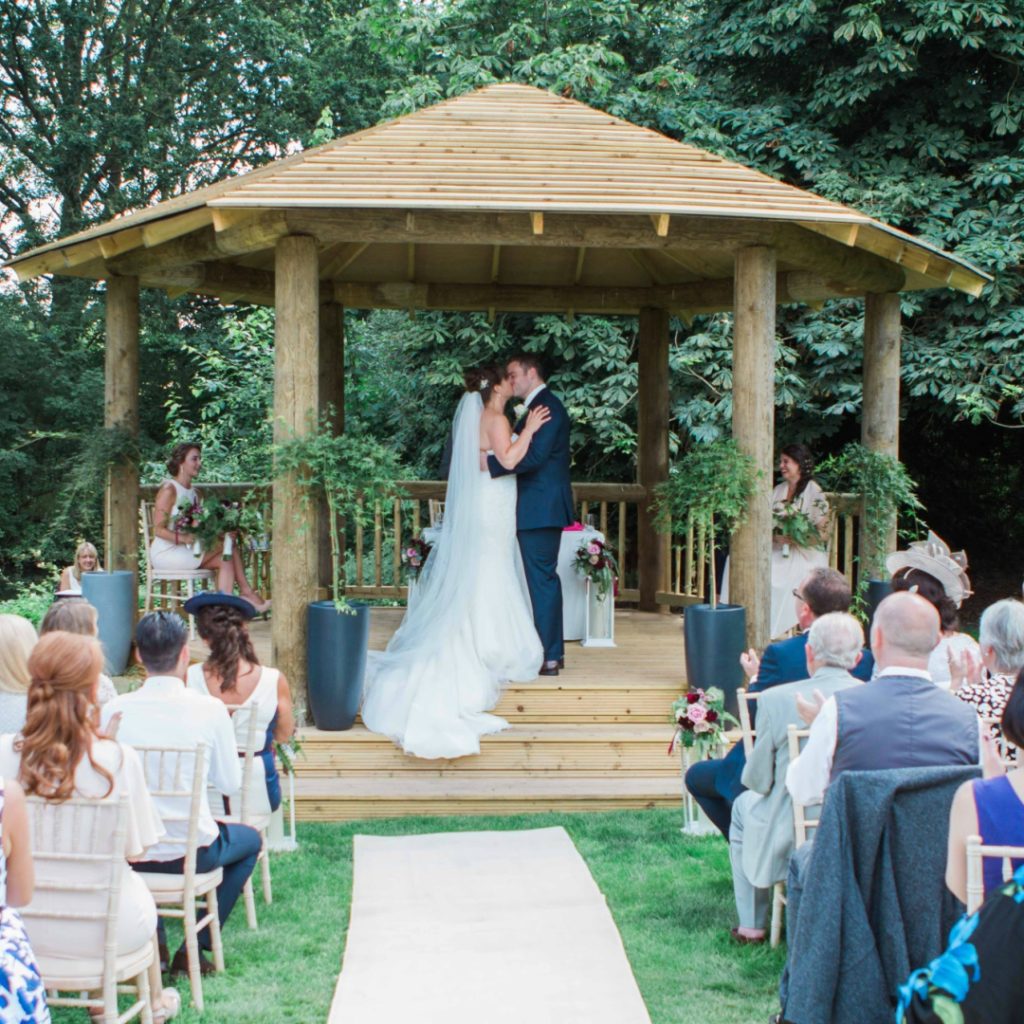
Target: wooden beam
x=661 y=222
x=537 y=222
x=652 y=452
x=294 y=565
x=495 y=263
x=331 y=392
x=880 y=416
x=841 y=266
x=410 y=262
x=581 y=256
x=122 y=242
x=121 y=411
x=214 y=279
x=168 y=228
x=753 y=419
x=338 y=258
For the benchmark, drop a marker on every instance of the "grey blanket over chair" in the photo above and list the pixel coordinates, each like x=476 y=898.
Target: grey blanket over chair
x=874 y=905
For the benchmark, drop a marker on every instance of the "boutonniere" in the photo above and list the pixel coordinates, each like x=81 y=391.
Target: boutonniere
x=519 y=411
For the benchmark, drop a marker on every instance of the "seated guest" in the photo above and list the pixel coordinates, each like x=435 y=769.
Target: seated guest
x=761 y=837
x=232 y=673
x=930 y=569
x=20 y=982
x=76 y=615
x=987 y=685
x=992 y=808
x=60 y=754
x=17 y=639
x=715 y=783
x=87 y=559
x=163 y=713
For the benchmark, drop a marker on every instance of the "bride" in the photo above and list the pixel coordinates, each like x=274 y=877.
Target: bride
x=471 y=627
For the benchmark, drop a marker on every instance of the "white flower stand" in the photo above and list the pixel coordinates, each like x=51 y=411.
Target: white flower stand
x=695 y=821
x=278 y=841
x=599 y=623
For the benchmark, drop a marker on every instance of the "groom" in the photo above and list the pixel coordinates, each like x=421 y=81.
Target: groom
x=544 y=504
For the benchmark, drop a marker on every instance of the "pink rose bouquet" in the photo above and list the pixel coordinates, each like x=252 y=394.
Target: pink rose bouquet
x=701 y=720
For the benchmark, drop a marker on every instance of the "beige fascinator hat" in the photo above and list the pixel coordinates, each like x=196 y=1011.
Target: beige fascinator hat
x=934 y=557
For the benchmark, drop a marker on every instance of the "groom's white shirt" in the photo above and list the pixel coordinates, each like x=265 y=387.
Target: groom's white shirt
x=534 y=393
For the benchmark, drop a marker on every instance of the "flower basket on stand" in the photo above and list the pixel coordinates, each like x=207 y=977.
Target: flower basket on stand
x=701 y=719
x=414 y=555
x=595 y=560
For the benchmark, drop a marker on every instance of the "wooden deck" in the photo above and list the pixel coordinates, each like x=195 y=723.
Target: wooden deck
x=594 y=738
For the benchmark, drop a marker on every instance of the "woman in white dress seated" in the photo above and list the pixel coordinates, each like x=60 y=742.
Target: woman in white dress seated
x=232 y=673
x=471 y=627
x=17 y=639
x=173 y=549
x=87 y=559
x=60 y=754
x=939 y=575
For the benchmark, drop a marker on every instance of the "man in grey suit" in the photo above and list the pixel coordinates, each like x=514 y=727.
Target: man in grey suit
x=761 y=836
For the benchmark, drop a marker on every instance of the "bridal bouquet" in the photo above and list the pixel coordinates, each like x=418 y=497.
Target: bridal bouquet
x=796 y=527
x=701 y=720
x=222 y=519
x=186 y=518
x=596 y=561
x=414 y=554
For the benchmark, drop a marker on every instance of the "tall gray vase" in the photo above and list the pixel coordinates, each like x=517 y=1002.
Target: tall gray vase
x=336 y=663
x=113 y=596
x=715 y=638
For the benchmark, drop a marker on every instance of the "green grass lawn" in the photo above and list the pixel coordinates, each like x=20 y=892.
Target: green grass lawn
x=671 y=897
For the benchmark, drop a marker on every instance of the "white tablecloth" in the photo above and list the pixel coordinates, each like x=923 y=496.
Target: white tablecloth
x=574 y=585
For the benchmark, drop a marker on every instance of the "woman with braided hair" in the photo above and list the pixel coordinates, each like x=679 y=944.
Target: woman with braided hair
x=60 y=754
x=232 y=673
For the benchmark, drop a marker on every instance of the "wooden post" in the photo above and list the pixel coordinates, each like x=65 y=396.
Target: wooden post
x=652 y=453
x=753 y=425
x=296 y=379
x=121 y=410
x=331 y=392
x=880 y=417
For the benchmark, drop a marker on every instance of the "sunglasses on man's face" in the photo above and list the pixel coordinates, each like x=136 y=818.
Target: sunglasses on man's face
x=799 y=596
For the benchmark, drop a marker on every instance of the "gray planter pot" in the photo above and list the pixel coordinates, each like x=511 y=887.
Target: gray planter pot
x=878 y=591
x=113 y=596
x=336 y=663
x=715 y=638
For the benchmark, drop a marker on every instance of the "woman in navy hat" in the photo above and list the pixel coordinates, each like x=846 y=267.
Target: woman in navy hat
x=232 y=673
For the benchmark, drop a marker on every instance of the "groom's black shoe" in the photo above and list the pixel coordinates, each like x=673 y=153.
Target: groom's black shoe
x=548 y=668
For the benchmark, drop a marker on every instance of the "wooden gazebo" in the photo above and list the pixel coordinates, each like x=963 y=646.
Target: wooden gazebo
x=508 y=198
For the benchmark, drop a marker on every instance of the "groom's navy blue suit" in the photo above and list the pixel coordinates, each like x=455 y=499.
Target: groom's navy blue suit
x=544 y=507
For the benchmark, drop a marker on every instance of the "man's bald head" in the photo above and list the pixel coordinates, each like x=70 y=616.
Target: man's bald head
x=905 y=632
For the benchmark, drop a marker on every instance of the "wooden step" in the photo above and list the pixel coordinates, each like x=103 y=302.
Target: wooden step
x=585 y=702
x=597 y=750
x=350 y=799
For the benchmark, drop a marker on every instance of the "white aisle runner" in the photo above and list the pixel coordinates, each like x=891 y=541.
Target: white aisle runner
x=481 y=928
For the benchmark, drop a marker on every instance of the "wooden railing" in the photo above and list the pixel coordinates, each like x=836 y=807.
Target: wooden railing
x=373 y=556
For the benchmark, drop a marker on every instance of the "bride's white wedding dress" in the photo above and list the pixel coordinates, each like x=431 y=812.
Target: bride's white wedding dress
x=471 y=626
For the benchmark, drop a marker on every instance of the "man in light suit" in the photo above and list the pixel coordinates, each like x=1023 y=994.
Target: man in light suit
x=761 y=836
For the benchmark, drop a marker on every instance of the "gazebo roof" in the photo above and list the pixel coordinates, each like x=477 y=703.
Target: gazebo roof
x=512 y=198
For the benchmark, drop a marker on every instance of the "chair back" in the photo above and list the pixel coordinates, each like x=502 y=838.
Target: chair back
x=802 y=822
x=176 y=777
x=435 y=509
x=145 y=512
x=747 y=705
x=245 y=721
x=976 y=854
x=78 y=850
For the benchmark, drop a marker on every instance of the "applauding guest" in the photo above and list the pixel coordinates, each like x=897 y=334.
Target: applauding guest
x=163 y=713
x=60 y=754
x=172 y=548
x=17 y=639
x=76 y=615
x=87 y=559
x=233 y=675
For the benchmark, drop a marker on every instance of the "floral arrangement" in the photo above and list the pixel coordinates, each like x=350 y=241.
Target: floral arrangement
x=701 y=720
x=287 y=752
x=596 y=561
x=414 y=554
x=186 y=518
x=215 y=520
x=797 y=527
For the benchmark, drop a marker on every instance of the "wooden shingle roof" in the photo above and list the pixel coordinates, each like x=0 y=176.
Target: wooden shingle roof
x=563 y=167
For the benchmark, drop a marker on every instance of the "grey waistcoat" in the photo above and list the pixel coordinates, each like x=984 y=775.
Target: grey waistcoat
x=902 y=722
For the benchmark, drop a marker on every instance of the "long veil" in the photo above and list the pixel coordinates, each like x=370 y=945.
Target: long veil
x=446 y=586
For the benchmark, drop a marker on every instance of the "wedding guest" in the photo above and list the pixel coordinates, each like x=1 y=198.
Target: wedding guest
x=715 y=783
x=17 y=638
x=233 y=675
x=939 y=575
x=60 y=754
x=988 y=685
x=761 y=836
x=76 y=615
x=19 y=973
x=172 y=548
x=86 y=560
x=163 y=712
x=992 y=807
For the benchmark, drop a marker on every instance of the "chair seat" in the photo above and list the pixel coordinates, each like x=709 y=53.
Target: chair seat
x=171 y=888
x=86 y=973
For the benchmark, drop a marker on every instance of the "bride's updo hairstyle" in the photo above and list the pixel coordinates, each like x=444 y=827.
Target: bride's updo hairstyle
x=224 y=629
x=483 y=379
x=178 y=455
